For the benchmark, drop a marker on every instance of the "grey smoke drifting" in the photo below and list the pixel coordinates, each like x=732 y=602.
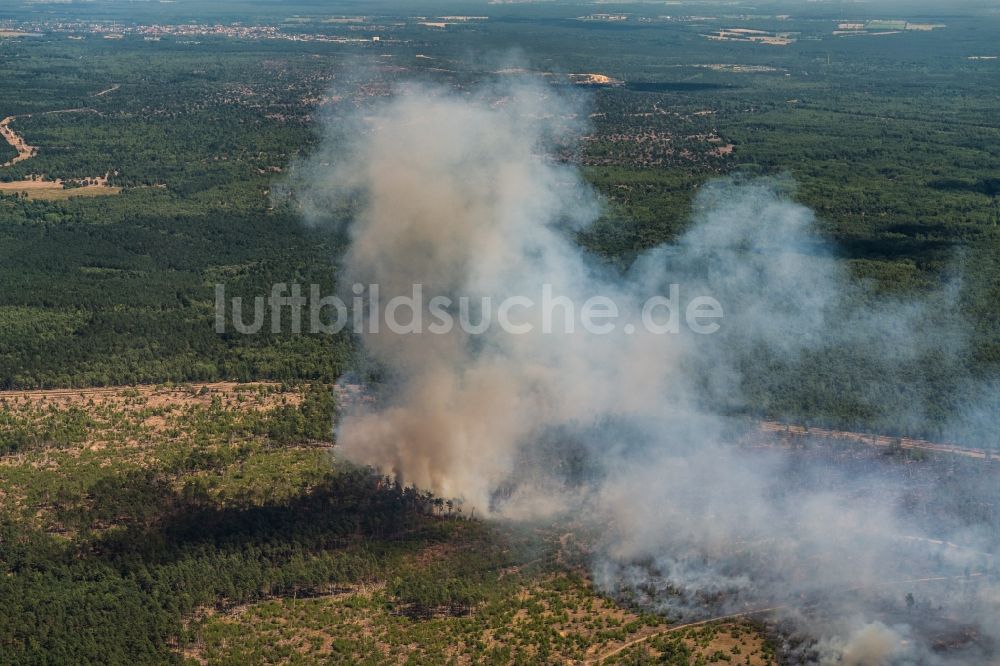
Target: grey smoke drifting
x=457 y=192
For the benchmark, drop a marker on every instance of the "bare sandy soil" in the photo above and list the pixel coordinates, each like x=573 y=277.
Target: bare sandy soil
x=38 y=188
x=151 y=396
x=17 y=142
x=594 y=80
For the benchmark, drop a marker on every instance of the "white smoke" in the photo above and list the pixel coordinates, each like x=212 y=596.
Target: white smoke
x=460 y=197
x=457 y=192
x=873 y=644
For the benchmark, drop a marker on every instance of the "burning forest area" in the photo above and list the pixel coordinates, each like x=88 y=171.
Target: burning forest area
x=846 y=550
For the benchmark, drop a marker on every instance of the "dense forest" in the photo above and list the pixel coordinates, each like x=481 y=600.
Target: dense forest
x=119 y=289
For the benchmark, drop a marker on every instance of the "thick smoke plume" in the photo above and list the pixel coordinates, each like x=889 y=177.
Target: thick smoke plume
x=458 y=192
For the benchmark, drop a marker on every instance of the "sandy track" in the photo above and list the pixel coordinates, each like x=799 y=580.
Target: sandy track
x=17 y=142
x=873 y=440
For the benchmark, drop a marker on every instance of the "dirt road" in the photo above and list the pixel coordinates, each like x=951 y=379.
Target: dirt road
x=16 y=141
x=188 y=393
x=873 y=440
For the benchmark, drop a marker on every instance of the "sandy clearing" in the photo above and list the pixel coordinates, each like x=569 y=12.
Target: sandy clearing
x=16 y=141
x=595 y=80
x=57 y=194
x=51 y=190
x=40 y=188
x=151 y=405
x=30 y=184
